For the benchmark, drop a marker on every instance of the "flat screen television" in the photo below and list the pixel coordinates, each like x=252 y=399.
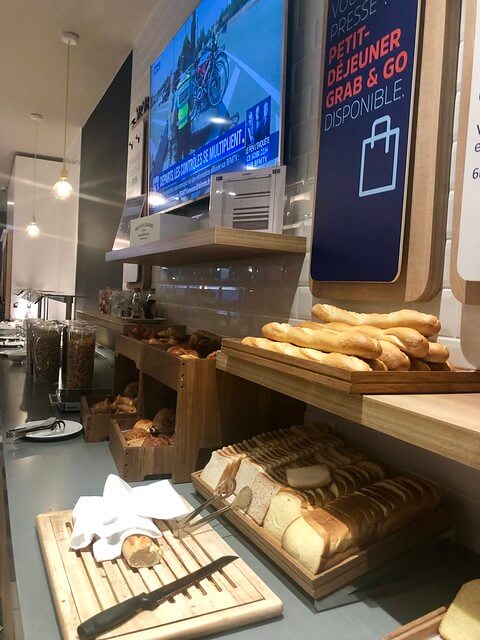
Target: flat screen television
x=216 y=98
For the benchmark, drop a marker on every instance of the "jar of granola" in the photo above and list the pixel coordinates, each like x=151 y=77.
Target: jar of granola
x=46 y=351
x=80 y=356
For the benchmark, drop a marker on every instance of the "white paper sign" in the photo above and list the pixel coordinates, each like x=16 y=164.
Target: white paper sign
x=468 y=263
x=135 y=161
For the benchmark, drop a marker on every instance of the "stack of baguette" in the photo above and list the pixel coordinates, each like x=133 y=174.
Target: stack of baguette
x=398 y=341
x=321 y=500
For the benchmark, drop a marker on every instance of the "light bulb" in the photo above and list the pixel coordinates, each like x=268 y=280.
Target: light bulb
x=33 y=229
x=62 y=189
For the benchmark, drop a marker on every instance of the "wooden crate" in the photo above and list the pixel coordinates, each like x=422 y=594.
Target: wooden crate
x=360 y=382
x=96 y=426
x=81 y=587
x=424 y=628
x=212 y=407
x=320 y=585
x=138 y=463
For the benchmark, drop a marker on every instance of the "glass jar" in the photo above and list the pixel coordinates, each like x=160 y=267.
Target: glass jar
x=29 y=327
x=46 y=351
x=80 y=356
x=65 y=325
x=105 y=301
x=121 y=303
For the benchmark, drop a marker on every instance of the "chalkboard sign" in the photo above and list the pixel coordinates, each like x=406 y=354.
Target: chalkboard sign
x=366 y=114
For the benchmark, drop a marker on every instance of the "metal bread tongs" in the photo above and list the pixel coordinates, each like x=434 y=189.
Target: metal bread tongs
x=224 y=490
x=52 y=424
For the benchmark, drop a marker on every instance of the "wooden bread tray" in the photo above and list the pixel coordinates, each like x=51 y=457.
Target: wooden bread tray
x=81 y=587
x=424 y=628
x=340 y=575
x=137 y=463
x=362 y=382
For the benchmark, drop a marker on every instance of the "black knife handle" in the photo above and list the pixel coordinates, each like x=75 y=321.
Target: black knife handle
x=112 y=617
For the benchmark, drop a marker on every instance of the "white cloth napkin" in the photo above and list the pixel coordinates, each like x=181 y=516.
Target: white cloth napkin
x=122 y=511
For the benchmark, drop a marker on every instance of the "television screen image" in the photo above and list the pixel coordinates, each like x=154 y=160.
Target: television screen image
x=216 y=98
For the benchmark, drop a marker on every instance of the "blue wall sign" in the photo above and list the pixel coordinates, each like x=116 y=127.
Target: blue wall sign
x=367 y=99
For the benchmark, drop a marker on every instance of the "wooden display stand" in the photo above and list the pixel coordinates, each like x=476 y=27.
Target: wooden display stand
x=212 y=408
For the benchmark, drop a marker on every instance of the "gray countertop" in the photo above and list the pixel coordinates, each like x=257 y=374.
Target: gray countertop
x=48 y=477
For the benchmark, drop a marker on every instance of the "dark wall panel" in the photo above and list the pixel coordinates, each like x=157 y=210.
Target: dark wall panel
x=102 y=188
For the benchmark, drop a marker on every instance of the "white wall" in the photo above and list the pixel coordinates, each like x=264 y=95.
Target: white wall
x=236 y=297
x=48 y=261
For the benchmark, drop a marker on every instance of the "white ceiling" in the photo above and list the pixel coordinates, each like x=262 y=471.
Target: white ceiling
x=33 y=67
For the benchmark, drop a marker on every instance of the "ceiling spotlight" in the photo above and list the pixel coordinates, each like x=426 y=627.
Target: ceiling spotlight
x=62 y=189
x=33 y=229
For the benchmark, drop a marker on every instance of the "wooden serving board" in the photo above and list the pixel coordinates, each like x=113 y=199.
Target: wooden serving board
x=424 y=628
x=82 y=587
x=320 y=585
x=361 y=382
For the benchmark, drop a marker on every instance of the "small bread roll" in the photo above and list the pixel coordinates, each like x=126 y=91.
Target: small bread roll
x=145 y=425
x=104 y=406
x=126 y=408
x=141 y=551
x=164 y=422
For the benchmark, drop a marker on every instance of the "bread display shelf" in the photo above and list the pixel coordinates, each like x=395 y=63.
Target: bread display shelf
x=446 y=424
x=342 y=574
x=168 y=380
x=82 y=587
x=205 y=245
x=424 y=628
x=360 y=382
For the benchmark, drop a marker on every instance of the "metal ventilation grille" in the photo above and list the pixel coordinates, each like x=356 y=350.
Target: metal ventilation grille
x=251 y=210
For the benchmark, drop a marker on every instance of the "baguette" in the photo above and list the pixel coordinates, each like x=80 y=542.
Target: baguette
x=408 y=340
x=352 y=343
x=441 y=366
x=393 y=358
x=437 y=352
x=426 y=324
x=418 y=365
x=338 y=360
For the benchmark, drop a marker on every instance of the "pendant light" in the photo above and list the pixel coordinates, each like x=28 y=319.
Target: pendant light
x=62 y=188
x=33 y=230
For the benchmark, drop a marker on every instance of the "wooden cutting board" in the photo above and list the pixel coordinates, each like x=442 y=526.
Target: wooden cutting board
x=82 y=587
x=424 y=628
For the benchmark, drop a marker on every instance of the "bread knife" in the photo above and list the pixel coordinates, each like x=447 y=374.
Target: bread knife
x=120 y=613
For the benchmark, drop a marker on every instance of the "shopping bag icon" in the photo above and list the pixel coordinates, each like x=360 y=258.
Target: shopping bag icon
x=379 y=163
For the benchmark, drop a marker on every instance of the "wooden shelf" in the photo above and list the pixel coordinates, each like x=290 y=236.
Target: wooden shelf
x=446 y=424
x=117 y=325
x=214 y=243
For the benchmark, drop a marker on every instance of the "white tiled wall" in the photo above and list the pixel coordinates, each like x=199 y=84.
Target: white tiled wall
x=236 y=297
